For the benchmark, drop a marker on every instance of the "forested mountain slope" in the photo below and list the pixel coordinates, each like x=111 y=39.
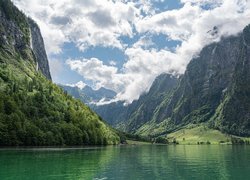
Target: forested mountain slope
x=33 y=110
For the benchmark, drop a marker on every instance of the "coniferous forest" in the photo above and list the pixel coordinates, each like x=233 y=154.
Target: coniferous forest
x=33 y=110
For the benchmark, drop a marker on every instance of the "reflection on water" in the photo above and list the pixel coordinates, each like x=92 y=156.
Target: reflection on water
x=128 y=162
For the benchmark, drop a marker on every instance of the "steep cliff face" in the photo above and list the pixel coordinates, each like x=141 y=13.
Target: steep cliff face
x=233 y=113
x=204 y=83
x=214 y=89
x=14 y=31
x=38 y=48
x=21 y=35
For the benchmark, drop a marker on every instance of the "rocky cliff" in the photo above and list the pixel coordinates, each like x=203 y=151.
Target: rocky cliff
x=14 y=32
x=38 y=48
x=19 y=34
x=215 y=90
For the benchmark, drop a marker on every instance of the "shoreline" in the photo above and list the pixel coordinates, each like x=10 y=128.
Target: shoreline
x=131 y=143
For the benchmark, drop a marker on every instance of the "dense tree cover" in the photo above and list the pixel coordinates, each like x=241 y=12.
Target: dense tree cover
x=34 y=111
x=135 y=137
x=161 y=140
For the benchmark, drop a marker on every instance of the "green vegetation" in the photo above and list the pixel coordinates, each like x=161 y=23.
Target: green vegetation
x=140 y=140
x=126 y=138
x=13 y=14
x=201 y=134
x=215 y=89
x=161 y=140
x=140 y=112
x=33 y=110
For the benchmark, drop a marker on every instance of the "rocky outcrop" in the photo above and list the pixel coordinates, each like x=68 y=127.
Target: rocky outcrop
x=21 y=35
x=215 y=89
x=38 y=48
x=204 y=82
x=13 y=35
x=233 y=113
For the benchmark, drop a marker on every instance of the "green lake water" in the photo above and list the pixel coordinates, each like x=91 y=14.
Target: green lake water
x=146 y=162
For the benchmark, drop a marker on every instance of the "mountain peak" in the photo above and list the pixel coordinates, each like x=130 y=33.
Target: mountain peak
x=88 y=95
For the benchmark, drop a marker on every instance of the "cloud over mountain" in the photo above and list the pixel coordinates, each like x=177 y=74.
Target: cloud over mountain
x=104 y=23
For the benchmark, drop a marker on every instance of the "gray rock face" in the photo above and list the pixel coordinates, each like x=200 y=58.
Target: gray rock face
x=38 y=48
x=233 y=116
x=11 y=36
x=89 y=95
x=21 y=35
x=215 y=88
x=203 y=83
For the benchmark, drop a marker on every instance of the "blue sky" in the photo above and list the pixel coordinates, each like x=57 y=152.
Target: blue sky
x=124 y=45
x=108 y=54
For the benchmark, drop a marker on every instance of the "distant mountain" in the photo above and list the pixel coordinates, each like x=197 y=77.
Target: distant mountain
x=214 y=90
x=89 y=95
x=130 y=117
x=139 y=112
x=33 y=110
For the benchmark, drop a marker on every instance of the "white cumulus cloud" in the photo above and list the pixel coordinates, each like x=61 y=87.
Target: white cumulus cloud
x=79 y=84
x=92 y=23
x=86 y=23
